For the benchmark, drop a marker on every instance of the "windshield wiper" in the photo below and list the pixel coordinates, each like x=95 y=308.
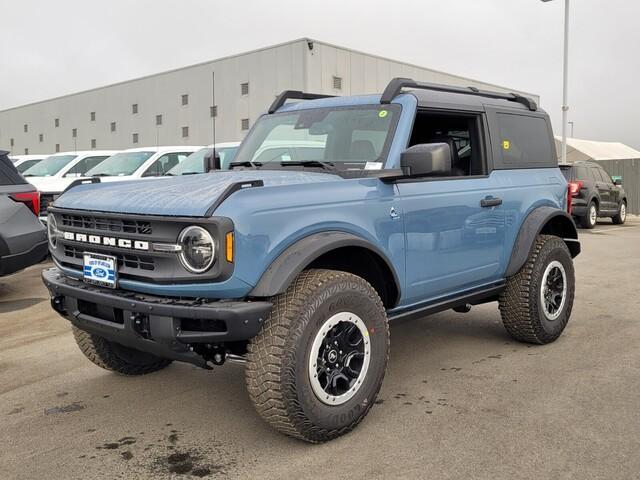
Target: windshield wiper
x=245 y=163
x=310 y=163
x=101 y=175
x=29 y=175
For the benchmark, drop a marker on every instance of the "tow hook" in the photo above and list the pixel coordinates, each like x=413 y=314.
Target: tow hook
x=57 y=303
x=141 y=324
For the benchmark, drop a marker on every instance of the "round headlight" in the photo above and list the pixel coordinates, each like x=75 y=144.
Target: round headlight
x=198 y=249
x=52 y=230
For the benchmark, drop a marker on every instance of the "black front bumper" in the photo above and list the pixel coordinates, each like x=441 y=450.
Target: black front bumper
x=165 y=327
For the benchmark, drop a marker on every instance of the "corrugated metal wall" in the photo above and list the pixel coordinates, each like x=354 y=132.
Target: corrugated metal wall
x=629 y=170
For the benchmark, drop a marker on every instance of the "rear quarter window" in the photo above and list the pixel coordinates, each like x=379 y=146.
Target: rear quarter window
x=8 y=173
x=522 y=141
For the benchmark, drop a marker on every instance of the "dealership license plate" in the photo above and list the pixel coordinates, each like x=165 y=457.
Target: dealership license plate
x=100 y=270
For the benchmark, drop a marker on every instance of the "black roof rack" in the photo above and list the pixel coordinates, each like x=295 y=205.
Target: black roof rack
x=296 y=95
x=397 y=84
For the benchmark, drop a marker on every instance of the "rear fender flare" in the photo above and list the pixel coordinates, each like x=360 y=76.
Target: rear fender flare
x=542 y=220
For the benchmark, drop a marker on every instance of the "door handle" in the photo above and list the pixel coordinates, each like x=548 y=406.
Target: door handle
x=490 y=202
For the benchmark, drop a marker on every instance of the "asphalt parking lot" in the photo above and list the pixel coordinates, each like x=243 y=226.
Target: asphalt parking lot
x=460 y=400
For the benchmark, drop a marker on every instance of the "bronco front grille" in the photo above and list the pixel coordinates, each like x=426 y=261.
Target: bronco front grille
x=107 y=224
x=142 y=262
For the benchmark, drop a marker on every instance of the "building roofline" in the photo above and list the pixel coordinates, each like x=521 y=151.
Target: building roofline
x=250 y=52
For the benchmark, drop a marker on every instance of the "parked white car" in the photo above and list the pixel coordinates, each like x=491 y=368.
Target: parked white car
x=140 y=163
x=56 y=173
x=194 y=163
x=24 y=162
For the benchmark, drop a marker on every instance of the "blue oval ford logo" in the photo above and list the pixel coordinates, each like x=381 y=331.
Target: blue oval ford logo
x=99 y=272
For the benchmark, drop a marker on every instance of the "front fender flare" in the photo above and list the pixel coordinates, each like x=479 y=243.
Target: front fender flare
x=542 y=220
x=286 y=267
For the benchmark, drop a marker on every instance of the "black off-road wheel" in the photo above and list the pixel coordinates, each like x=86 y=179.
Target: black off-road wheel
x=590 y=219
x=115 y=357
x=315 y=369
x=621 y=216
x=536 y=305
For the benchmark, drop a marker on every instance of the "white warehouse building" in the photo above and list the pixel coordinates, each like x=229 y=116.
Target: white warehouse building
x=176 y=107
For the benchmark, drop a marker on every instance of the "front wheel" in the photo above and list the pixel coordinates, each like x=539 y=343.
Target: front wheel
x=621 y=216
x=115 y=357
x=315 y=369
x=537 y=302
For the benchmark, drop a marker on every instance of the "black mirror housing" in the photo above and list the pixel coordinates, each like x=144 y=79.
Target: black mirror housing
x=211 y=162
x=426 y=159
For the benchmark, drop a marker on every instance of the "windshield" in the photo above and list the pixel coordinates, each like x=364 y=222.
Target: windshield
x=194 y=163
x=347 y=137
x=120 y=164
x=24 y=166
x=49 y=166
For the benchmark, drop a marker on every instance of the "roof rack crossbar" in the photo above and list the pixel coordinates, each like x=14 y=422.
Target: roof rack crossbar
x=395 y=86
x=295 y=95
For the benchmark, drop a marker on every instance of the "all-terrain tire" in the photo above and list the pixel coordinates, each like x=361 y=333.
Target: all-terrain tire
x=278 y=359
x=115 y=357
x=621 y=216
x=588 y=221
x=521 y=306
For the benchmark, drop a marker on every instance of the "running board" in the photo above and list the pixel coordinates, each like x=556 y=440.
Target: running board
x=475 y=297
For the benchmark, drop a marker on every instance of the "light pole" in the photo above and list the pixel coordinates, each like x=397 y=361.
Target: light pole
x=565 y=80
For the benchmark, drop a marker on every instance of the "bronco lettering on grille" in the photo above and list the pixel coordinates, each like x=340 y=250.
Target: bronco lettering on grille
x=107 y=241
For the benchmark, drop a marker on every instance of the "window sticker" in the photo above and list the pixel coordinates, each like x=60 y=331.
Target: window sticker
x=373 y=166
x=383 y=113
x=506 y=144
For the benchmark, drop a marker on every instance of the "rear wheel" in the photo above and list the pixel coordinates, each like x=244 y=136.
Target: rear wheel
x=115 y=357
x=536 y=305
x=621 y=216
x=315 y=369
x=591 y=218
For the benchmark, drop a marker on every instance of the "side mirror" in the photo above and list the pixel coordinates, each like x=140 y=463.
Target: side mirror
x=426 y=159
x=210 y=162
x=617 y=182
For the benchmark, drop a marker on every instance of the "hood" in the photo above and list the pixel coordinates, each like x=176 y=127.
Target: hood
x=188 y=195
x=51 y=184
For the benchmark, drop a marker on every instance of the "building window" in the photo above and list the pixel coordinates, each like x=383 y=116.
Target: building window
x=158 y=119
x=56 y=122
x=134 y=108
x=213 y=111
x=185 y=99
x=74 y=133
x=244 y=88
x=337 y=83
x=185 y=132
x=135 y=138
x=113 y=126
x=26 y=128
x=41 y=138
x=26 y=151
x=11 y=142
x=57 y=147
x=92 y=116
x=244 y=124
x=93 y=143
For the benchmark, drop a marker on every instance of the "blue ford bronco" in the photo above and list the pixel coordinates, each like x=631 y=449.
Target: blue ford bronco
x=338 y=215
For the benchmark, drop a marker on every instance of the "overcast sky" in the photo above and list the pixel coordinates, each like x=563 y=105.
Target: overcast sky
x=55 y=47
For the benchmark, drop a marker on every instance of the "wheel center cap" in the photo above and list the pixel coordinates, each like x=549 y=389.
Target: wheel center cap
x=332 y=356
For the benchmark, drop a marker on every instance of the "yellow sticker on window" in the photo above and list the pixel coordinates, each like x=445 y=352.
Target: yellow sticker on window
x=382 y=113
x=506 y=144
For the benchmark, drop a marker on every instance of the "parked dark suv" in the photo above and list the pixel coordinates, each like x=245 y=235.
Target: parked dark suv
x=23 y=239
x=594 y=194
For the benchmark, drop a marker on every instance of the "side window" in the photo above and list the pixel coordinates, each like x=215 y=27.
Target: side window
x=524 y=141
x=461 y=132
x=581 y=173
x=163 y=164
x=605 y=176
x=83 y=166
